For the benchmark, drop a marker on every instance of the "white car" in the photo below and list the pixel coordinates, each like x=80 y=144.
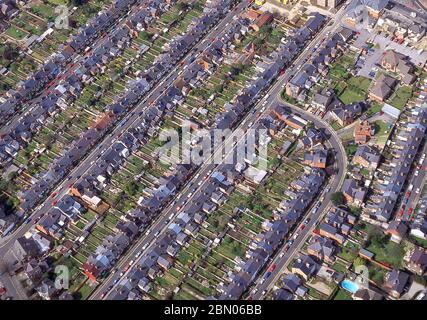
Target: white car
x=421 y=296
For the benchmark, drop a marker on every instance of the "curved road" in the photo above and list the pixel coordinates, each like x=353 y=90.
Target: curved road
x=271 y=98
x=334 y=185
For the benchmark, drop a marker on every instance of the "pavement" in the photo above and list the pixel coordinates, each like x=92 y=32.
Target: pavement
x=371 y=59
x=129 y=121
x=281 y=261
x=271 y=98
x=414 y=55
x=12 y=285
x=204 y=171
x=417 y=182
x=263 y=284
x=126 y=123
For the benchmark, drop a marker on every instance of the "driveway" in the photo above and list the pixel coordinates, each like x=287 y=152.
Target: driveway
x=413 y=290
x=371 y=58
x=414 y=55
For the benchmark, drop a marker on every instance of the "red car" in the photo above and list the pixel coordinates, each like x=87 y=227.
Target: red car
x=401 y=213
x=53 y=195
x=410 y=210
x=272 y=268
x=302 y=227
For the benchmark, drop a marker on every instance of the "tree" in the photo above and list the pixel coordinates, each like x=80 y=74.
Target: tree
x=131 y=188
x=359 y=261
x=337 y=198
x=77 y=3
x=144 y=35
x=182 y=6
x=13 y=175
x=10 y=53
x=3 y=185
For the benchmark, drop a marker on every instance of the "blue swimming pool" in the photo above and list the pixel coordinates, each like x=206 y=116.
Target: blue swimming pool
x=350 y=286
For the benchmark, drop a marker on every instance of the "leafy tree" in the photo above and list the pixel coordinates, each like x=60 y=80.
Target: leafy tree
x=131 y=188
x=182 y=6
x=3 y=185
x=144 y=35
x=337 y=198
x=78 y=3
x=10 y=53
x=13 y=175
x=359 y=261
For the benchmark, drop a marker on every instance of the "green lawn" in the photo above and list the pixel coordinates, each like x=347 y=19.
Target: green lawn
x=347 y=254
x=401 y=97
x=85 y=291
x=45 y=11
x=59 y=2
x=342 y=295
x=382 y=132
x=419 y=241
x=357 y=88
x=16 y=33
x=388 y=252
x=339 y=267
x=374 y=109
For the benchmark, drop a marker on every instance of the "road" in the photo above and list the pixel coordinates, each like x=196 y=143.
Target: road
x=12 y=285
x=129 y=121
x=421 y=5
x=270 y=100
x=417 y=181
x=334 y=186
x=281 y=261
